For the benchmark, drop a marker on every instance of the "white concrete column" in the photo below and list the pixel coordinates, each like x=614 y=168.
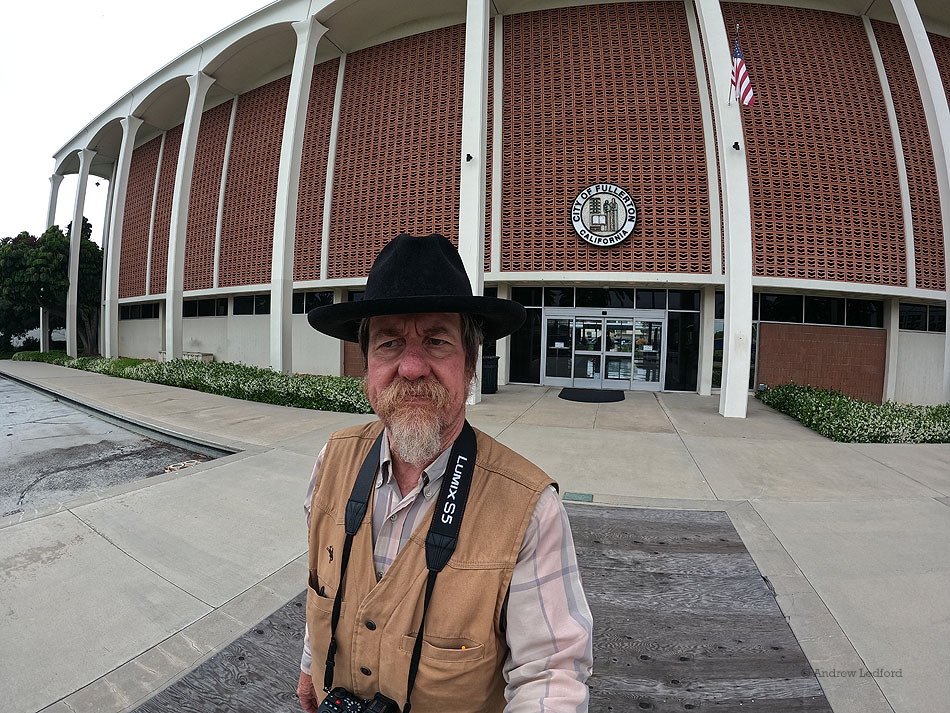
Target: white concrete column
x=937 y=111
x=502 y=346
x=198 y=85
x=707 y=335
x=892 y=325
x=72 y=295
x=44 y=330
x=331 y=164
x=221 y=191
x=54 y=181
x=106 y=221
x=151 y=221
x=737 y=219
x=130 y=126
x=309 y=32
x=474 y=141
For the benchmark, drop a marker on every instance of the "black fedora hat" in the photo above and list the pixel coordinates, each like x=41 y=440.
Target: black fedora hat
x=413 y=275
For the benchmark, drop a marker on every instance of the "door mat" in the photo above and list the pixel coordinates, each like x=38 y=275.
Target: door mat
x=591 y=396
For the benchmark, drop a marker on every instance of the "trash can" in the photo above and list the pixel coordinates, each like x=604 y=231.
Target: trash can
x=489 y=374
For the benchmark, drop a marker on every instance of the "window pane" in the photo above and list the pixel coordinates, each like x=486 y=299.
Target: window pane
x=297 y=303
x=755 y=307
x=718 y=332
x=261 y=304
x=528 y=296
x=154 y=314
x=558 y=296
x=124 y=312
x=682 y=350
x=243 y=304
x=620 y=298
x=781 y=308
x=221 y=307
x=318 y=299
x=595 y=297
x=938 y=319
x=525 y=364
x=490 y=291
x=865 y=313
x=684 y=299
x=913 y=317
x=206 y=308
x=824 y=310
x=721 y=305
x=651 y=299
x=189 y=308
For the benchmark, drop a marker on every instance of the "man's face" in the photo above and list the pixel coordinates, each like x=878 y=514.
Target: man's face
x=416 y=381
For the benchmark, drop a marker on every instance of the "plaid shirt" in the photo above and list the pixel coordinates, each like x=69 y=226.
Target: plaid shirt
x=549 y=623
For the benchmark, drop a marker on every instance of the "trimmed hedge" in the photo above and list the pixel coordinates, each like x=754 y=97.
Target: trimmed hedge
x=239 y=381
x=844 y=419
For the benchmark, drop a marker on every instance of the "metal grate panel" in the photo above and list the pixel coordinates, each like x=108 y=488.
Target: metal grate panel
x=203 y=204
x=603 y=93
x=397 y=165
x=250 y=193
x=133 y=254
x=313 y=171
x=822 y=173
x=163 y=210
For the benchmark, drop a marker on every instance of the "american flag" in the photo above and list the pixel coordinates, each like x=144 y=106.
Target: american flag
x=740 y=78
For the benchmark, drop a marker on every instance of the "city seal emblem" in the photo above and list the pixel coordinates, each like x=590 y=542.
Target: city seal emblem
x=604 y=214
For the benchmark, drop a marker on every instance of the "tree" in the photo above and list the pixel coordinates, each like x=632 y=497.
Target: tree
x=33 y=274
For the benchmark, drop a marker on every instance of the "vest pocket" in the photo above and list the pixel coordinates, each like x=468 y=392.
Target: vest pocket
x=444 y=650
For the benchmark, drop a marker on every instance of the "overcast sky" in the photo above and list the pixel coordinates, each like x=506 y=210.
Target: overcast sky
x=62 y=62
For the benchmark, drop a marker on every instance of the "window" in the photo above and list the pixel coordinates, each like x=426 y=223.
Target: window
x=261 y=304
x=781 y=308
x=721 y=305
x=651 y=299
x=354 y=296
x=593 y=297
x=527 y=296
x=865 y=313
x=685 y=300
x=210 y=307
x=243 y=304
x=189 y=308
x=913 y=317
x=824 y=310
x=937 y=322
x=558 y=296
x=317 y=299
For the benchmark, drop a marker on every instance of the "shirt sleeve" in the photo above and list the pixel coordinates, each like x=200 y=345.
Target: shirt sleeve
x=306 y=659
x=549 y=623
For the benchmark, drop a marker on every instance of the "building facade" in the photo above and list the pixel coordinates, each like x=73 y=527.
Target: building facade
x=590 y=162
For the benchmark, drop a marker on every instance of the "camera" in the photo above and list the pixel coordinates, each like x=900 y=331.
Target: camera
x=340 y=700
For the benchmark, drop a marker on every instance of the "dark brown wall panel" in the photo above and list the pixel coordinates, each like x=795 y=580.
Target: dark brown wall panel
x=848 y=359
x=313 y=171
x=603 y=94
x=397 y=166
x=163 y=210
x=250 y=193
x=822 y=172
x=203 y=204
x=133 y=255
x=918 y=155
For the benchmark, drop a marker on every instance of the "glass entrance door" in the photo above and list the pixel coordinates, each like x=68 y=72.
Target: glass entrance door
x=588 y=352
x=647 y=354
x=618 y=353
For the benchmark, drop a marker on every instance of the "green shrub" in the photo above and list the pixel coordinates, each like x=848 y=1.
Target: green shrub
x=239 y=381
x=842 y=418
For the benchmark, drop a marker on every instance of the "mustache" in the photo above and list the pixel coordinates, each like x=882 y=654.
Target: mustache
x=394 y=395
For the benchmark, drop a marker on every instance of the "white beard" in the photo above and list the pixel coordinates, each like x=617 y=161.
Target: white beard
x=416 y=435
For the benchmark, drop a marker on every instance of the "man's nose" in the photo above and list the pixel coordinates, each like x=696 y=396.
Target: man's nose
x=414 y=363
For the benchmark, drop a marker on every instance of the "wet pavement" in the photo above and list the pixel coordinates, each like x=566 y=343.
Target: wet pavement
x=51 y=452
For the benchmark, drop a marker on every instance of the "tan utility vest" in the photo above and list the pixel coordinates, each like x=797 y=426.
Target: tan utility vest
x=464 y=645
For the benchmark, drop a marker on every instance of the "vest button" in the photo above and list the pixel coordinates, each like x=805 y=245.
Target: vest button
x=371 y=625
x=365 y=671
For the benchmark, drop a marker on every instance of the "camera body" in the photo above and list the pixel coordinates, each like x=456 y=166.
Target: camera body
x=340 y=700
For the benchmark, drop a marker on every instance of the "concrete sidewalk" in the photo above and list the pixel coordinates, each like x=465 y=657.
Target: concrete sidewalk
x=110 y=597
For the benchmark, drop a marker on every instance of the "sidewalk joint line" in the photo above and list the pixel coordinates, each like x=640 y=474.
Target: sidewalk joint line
x=656 y=395
x=896 y=470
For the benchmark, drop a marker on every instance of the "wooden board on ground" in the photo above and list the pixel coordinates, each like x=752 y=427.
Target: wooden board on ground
x=683 y=621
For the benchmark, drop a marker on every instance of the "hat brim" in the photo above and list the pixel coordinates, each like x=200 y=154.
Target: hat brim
x=342 y=320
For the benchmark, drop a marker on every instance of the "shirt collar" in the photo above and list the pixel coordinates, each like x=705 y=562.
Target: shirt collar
x=430 y=475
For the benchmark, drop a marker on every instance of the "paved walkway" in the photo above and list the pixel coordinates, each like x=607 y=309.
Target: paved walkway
x=108 y=598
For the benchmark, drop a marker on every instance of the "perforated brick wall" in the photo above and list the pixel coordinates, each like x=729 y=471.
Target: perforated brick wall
x=163 y=210
x=133 y=254
x=918 y=155
x=848 y=359
x=489 y=142
x=313 y=171
x=250 y=194
x=822 y=172
x=598 y=94
x=203 y=204
x=397 y=166
x=941 y=47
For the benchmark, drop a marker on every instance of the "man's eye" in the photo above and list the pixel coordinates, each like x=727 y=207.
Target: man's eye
x=387 y=345
x=437 y=342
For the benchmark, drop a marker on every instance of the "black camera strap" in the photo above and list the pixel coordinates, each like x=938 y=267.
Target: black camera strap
x=441 y=539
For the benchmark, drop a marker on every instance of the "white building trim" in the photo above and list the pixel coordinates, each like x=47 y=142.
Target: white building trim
x=72 y=293
x=54 y=182
x=151 y=222
x=224 y=181
x=331 y=165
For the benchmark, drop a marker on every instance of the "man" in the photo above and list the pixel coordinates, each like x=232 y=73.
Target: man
x=507 y=626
